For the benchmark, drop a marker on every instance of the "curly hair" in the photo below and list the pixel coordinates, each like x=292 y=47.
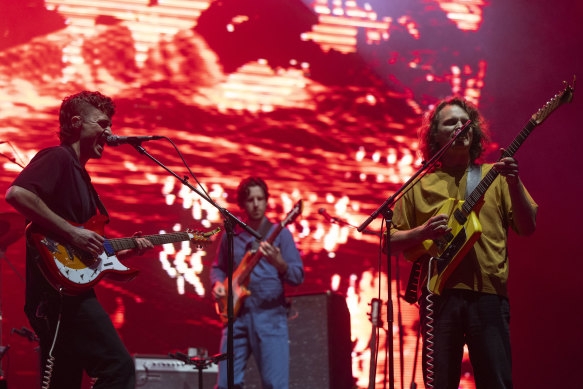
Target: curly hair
x=243 y=189
x=75 y=105
x=427 y=143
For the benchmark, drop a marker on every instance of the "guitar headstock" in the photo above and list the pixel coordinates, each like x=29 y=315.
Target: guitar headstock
x=201 y=238
x=294 y=213
x=565 y=96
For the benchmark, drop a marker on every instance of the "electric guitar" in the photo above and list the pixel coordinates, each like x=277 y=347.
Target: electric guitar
x=73 y=271
x=242 y=274
x=450 y=249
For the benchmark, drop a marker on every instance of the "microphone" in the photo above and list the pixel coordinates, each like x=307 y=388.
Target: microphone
x=323 y=212
x=463 y=129
x=115 y=140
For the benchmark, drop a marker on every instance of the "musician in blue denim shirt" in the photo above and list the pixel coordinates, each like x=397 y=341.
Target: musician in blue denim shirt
x=260 y=327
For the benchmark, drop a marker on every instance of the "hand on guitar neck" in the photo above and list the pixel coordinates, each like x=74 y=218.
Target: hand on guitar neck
x=142 y=245
x=273 y=256
x=524 y=215
x=271 y=253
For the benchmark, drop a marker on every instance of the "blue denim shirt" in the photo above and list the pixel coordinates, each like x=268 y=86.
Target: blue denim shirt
x=265 y=284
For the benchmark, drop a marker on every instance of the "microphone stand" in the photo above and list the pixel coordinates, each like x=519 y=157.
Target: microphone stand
x=342 y=222
x=386 y=211
x=229 y=222
x=399 y=320
x=201 y=363
x=375 y=308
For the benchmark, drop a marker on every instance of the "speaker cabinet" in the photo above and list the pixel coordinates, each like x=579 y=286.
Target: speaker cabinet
x=163 y=372
x=320 y=345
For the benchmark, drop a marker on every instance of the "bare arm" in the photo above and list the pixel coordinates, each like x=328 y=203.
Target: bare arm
x=33 y=208
x=432 y=229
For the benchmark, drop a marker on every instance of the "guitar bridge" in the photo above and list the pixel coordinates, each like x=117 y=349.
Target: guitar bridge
x=442 y=242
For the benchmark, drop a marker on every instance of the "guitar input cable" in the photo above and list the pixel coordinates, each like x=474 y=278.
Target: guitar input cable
x=429 y=336
x=48 y=371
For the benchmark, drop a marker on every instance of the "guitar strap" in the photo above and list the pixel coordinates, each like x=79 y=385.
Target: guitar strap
x=412 y=294
x=264 y=228
x=473 y=179
x=87 y=179
x=100 y=206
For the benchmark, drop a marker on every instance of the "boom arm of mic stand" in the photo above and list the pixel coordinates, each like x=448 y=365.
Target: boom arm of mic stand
x=230 y=220
x=391 y=200
x=225 y=212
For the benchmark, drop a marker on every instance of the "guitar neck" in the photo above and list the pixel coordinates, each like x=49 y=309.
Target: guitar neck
x=129 y=243
x=489 y=178
x=256 y=256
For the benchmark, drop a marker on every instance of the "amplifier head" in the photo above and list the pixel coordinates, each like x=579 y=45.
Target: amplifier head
x=163 y=372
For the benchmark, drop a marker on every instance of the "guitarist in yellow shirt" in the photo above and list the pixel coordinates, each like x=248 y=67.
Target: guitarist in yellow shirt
x=472 y=305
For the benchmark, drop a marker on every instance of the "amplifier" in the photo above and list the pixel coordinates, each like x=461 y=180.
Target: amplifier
x=163 y=372
x=319 y=344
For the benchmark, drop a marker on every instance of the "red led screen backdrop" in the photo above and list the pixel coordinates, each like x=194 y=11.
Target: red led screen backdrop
x=321 y=98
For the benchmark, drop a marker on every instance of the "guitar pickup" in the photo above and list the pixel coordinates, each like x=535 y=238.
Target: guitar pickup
x=440 y=263
x=108 y=248
x=455 y=246
x=460 y=217
x=442 y=242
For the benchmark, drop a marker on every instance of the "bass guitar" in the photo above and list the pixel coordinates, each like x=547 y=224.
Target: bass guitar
x=73 y=271
x=447 y=251
x=242 y=274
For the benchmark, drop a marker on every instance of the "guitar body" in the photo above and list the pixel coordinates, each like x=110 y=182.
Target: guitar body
x=242 y=274
x=240 y=291
x=448 y=251
x=75 y=271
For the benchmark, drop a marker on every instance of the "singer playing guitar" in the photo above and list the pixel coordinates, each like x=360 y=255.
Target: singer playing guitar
x=261 y=325
x=51 y=192
x=473 y=307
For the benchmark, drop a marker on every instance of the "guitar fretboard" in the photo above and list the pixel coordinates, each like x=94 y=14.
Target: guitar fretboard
x=489 y=178
x=129 y=243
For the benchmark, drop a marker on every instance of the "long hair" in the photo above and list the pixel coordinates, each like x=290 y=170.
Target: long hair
x=427 y=142
x=75 y=105
x=243 y=189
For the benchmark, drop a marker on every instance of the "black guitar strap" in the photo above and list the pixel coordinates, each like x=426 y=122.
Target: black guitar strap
x=263 y=230
x=100 y=207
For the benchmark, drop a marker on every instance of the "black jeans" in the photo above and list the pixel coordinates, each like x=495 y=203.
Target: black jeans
x=479 y=320
x=86 y=341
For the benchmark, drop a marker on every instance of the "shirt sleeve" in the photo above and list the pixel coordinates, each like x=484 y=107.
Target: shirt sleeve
x=41 y=175
x=219 y=268
x=508 y=202
x=295 y=270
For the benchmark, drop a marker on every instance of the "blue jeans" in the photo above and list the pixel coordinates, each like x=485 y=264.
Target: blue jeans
x=264 y=333
x=479 y=320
